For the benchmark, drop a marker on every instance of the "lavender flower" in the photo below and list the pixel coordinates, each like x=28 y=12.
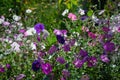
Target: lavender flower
x=78 y=63
x=61 y=60
x=20 y=77
x=104 y=58
x=39 y=27
x=36 y=65
x=46 y=68
x=8 y=66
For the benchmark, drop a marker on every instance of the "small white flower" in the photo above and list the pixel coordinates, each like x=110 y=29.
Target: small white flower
x=119 y=4
x=33 y=46
x=19 y=24
x=101 y=12
x=15 y=47
x=113 y=65
x=1 y=20
x=30 y=32
x=28 y=11
x=19 y=37
x=16 y=18
x=94 y=18
x=81 y=12
x=65 y=12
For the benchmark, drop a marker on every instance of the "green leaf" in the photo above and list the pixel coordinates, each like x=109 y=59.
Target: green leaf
x=90 y=13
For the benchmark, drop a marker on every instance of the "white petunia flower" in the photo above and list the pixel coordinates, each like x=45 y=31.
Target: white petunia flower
x=1 y=20
x=94 y=18
x=33 y=46
x=16 y=18
x=65 y=12
x=30 y=32
x=101 y=12
x=28 y=11
x=81 y=12
x=15 y=47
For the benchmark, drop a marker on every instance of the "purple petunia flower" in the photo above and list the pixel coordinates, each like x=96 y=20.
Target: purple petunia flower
x=60 y=39
x=2 y=69
x=46 y=68
x=66 y=48
x=104 y=58
x=36 y=65
x=65 y=73
x=83 y=18
x=91 y=61
x=83 y=53
x=8 y=66
x=39 y=27
x=61 y=60
x=78 y=63
x=106 y=29
x=109 y=46
x=52 y=49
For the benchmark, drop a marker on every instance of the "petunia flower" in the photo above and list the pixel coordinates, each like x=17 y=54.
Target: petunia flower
x=20 y=76
x=65 y=73
x=15 y=47
x=30 y=32
x=60 y=39
x=52 y=49
x=16 y=18
x=46 y=68
x=39 y=27
x=65 y=12
x=104 y=58
x=78 y=63
x=91 y=61
x=61 y=60
x=109 y=46
x=36 y=65
x=66 y=47
x=72 y=16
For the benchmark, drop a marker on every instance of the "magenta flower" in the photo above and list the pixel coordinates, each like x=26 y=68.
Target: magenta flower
x=118 y=29
x=104 y=58
x=91 y=61
x=78 y=63
x=91 y=35
x=109 y=46
x=46 y=68
x=72 y=16
x=22 y=31
x=2 y=69
x=39 y=27
x=106 y=29
x=61 y=60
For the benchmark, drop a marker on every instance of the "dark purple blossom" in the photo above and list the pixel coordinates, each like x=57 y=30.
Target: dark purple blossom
x=52 y=49
x=83 y=17
x=2 y=69
x=39 y=27
x=104 y=58
x=106 y=29
x=109 y=46
x=78 y=63
x=36 y=65
x=61 y=60
x=46 y=68
x=91 y=61
x=66 y=48
x=83 y=53
x=65 y=73
x=60 y=39
x=91 y=35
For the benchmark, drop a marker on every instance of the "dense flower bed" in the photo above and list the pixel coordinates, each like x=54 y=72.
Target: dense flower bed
x=87 y=49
